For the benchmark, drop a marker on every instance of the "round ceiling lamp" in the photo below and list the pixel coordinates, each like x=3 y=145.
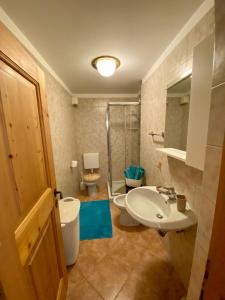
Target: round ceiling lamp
x=106 y=65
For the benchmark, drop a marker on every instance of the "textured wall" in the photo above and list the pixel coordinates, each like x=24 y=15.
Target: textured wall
x=76 y=130
x=91 y=133
x=62 y=125
x=169 y=171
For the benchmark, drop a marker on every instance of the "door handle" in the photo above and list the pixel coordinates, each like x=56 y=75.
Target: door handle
x=56 y=198
x=58 y=193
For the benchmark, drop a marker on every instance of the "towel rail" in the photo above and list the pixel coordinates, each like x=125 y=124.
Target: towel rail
x=152 y=133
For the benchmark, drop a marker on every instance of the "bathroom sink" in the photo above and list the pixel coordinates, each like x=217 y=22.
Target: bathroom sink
x=155 y=210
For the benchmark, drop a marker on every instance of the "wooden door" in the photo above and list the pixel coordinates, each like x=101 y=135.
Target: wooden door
x=214 y=282
x=31 y=254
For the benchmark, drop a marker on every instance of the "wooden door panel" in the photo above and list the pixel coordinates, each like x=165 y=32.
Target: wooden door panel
x=32 y=264
x=43 y=266
x=14 y=280
x=2 y=294
x=29 y=230
x=21 y=114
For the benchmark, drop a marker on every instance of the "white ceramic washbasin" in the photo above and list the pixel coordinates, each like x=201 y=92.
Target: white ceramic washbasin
x=155 y=210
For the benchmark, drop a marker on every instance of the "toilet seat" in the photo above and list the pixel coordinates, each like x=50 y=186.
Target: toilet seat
x=91 y=177
x=91 y=163
x=90 y=180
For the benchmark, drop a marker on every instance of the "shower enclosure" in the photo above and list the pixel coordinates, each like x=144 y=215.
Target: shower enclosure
x=123 y=139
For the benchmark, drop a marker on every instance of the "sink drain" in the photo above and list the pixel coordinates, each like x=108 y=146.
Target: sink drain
x=159 y=216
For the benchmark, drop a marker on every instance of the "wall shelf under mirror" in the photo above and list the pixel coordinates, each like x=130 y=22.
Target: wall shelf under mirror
x=175 y=153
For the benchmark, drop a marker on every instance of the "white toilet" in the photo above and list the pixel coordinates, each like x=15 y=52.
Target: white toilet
x=91 y=162
x=125 y=218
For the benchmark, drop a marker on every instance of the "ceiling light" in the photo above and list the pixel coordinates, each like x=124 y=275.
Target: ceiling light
x=106 y=65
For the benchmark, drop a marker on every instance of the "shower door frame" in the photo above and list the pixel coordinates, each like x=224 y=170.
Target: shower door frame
x=108 y=127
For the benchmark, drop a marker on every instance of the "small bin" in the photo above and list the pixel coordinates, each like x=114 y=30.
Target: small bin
x=69 y=209
x=133 y=182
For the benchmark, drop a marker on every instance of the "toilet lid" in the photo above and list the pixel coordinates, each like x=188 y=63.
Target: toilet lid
x=91 y=177
x=69 y=209
x=120 y=200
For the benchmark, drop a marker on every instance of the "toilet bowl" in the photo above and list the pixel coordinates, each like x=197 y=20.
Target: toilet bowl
x=125 y=218
x=90 y=181
x=91 y=162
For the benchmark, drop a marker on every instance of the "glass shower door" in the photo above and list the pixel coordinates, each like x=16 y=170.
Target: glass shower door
x=132 y=135
x=117 y=137
x=123 y=142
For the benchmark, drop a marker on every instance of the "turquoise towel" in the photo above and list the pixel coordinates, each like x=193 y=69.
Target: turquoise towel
x=139 y=173
x=134 y=172
x=130 y=172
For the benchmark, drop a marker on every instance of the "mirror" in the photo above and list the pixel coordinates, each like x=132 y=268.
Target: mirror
x=177 y=113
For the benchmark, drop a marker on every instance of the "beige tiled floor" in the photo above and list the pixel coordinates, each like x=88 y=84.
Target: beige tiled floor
x=102 y=194
x=132 y=265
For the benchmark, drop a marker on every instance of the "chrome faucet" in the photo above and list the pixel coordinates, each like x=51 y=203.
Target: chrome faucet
x=168 y=191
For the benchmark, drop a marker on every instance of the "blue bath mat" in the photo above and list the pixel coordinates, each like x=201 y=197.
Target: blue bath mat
x=95 y=220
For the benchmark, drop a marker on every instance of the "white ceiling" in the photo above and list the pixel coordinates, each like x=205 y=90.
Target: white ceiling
x=69 y=34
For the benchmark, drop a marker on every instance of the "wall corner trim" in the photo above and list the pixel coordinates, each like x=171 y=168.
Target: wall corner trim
x=7 y=21
x=194 y=19
x=105 y=96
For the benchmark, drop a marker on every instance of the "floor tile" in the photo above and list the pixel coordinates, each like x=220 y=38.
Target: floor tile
x=79 y=288
x=153 y=279
x=133 y=264
x=101 y=195
x=91 y=253
x=109 y=276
